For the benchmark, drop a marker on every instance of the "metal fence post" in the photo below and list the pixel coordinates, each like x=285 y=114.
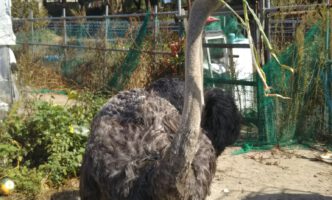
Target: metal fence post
x=64 y=26
x=64 y=35
x=260 y=46
x=156 y=29
x=262 y=129
x=31 y=23
x=106 y=33
x=106 y=25
x=31 y=31
x=180 y=7
x=267 y=28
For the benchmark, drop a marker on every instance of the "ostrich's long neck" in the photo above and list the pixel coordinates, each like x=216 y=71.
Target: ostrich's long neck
x=178 y=159
x=185 y=146
x=193 y=99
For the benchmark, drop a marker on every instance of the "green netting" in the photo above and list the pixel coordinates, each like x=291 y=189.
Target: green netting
x=305 y=117
x=213 y=26
x=231 y=76
x=269 y=121
x=122 y=74
x=47 y=91
x=226 y=23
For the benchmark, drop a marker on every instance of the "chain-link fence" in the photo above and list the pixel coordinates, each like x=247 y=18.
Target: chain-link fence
x=93 y=51
x=125 y=51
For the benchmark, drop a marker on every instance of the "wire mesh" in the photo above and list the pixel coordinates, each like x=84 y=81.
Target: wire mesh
x=300 y=38
x=88 y=50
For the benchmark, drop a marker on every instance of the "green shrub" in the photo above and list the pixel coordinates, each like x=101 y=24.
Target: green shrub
x=27 y=181
x=46 y=141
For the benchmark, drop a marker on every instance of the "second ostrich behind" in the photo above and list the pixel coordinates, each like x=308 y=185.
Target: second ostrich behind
x=220 y=118
x=141 y=148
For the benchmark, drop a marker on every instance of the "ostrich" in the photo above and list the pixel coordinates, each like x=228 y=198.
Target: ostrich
x=219 y=106
x=141 y=148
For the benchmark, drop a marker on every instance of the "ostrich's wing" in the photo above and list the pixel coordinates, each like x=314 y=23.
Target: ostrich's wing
x=172 y=89
x=204 y=168
x=128 y=135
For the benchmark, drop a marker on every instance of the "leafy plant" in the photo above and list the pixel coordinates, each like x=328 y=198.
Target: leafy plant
x=46 y=141
x=28 y=181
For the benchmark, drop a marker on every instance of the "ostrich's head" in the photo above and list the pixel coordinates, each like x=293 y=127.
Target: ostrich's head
x=220 y=119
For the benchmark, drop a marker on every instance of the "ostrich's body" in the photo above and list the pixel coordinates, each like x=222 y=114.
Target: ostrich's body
x=141 y=148
x=129 y=136
x=132 y=131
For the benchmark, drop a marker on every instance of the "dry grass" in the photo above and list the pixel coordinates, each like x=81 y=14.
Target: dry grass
x=35 y=74
x=93 y=68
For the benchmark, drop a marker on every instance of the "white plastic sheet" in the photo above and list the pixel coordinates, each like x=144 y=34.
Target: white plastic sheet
x=7 y=36
x=8 y=90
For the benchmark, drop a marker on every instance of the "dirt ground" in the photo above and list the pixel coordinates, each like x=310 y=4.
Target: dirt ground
x=272 y=175
x=266 y=175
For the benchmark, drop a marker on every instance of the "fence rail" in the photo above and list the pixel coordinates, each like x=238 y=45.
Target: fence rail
x=85 y=29
x=88 y=50
x=84 y=44
x=94 y=48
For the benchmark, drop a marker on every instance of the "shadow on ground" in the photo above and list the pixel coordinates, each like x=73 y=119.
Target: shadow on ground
x=74 y=195
x=287 y=197
x=66 y=195
x=273 y=194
